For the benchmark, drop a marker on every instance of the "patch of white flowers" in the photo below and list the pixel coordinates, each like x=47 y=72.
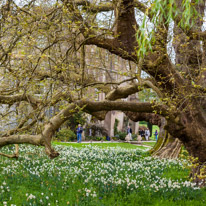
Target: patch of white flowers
x=105 y=169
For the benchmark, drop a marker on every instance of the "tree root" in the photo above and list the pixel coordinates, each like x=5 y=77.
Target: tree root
x=170 y=150
x=15 y=155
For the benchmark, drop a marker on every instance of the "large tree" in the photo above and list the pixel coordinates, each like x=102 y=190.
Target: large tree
x=181 y=79
x=47 y=42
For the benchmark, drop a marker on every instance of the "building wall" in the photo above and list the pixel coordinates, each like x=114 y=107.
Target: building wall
x=110 y=120
x=107 y=67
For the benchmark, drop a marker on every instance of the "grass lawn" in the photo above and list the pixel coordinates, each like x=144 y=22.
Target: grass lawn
x=100 y=145
x=149 y=143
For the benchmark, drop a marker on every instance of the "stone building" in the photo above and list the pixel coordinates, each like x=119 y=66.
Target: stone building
x=108 y=67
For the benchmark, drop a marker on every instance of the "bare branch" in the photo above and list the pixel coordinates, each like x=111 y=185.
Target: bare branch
x=149 y=84
x=7 y=155
x=15 y=155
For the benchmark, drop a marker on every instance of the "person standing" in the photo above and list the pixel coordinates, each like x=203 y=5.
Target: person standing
x=147 y=134
x=156 y=134
x=79 y=133
x=129 y=132
x=141 y=133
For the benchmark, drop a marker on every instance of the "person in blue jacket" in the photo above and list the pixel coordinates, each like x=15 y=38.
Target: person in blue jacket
x=79 y=133
x=156 y=134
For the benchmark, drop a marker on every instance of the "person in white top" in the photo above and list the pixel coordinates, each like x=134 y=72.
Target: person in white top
x=147 y=134
x=129 y=132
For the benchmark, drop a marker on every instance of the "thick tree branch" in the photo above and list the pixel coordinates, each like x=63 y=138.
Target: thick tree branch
x=44 y=139
x=109 y=83
x=21 y=139
x=125 y=91
x=107 y=6
x=124 y=35
x=11 y=99
x=14 y=155
x=37 y=140
x=154 y=119
x=112 y=45
x=89 y=106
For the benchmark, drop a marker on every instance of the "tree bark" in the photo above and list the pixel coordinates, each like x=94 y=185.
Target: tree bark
x=166 y=146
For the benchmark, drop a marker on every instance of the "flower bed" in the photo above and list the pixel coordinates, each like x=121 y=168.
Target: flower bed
x=94 y=176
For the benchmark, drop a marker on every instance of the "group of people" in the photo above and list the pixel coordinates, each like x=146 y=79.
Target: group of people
x=146 y=133
x=142 y=133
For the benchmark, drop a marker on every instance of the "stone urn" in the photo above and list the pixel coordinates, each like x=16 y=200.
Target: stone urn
x=127 y=138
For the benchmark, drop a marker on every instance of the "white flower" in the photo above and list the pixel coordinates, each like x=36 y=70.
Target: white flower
x=87 y=190
x=31 y=197
x=94 y=195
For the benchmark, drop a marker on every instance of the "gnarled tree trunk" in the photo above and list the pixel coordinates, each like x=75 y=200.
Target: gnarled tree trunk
x=166 y=146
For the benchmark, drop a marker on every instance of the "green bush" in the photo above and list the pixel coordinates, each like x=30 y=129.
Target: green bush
x=122 y=135
x=115 y=127
x=66 y=135
x=116 y=137
x=96 y=138
x=134 y=136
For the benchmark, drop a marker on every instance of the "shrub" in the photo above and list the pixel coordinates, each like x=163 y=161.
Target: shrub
x=116 y=137
x=65 y=135
x=122 y=135
x=115 y=126
x=134 y=136
x=96 y=138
